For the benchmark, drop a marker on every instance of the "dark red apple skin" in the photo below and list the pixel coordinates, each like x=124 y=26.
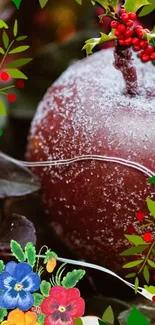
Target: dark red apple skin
x=90 y=204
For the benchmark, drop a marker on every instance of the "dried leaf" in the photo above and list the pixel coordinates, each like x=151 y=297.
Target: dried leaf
x=15 y=180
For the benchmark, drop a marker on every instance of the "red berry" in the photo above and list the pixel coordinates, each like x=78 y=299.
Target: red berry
x=121 y=37
x=11 y=98
x=153 y=298
x=137 y=48
x=139 y=31
x=143 y=44
x=149 y=50
x=20 y=84
x=129 y=23
x=128 y=41
x=117 y=34
x=131 y=230
x=147 y=237
x=125 y=17
x=121 y=29
x=152 y=56
x=100 y=11
x=4 y=76
x=140 y=54
x=145 y=58
x=140 y=215
x=122 y=11
x=135 y=41
x=132 y=16
x=129 y=32
x=122 y=42
x=114 y=24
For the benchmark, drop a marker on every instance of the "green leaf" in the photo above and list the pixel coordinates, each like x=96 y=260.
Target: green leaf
x=146 y=274
x=5 y=39
x=16 y=74
x=1 y=266
x=41 y=319
x=108 y=315
x=130 y=275
x=30 y=253
x=19 y=49
x=78 y=321
x=135 y=239
x=147 y=10
x=136 y=318
x=17 y=3
x=18 y=63
x=132 y=264
x=21 y=38
x=72 y=278
x=2 y=108
x=151 y=206
x=15 y=28
x=151 y=263
x=152 y=180
x=134 y=5
x=150 y=289
x=79 y=2
x=1 y=51
x=45 y=288
x=101 y=322
x=136 y=284
x=3 y=314
x=92 y=42
x=133 y=250
x=17 y=251
x=43 y=3
x=38 y=299
x=3 y=24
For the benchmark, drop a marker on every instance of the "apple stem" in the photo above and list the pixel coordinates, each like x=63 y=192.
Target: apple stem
x=123 y=62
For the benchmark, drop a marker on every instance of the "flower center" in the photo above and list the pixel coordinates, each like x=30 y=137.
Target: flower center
x=62 y=309
x=18 y=287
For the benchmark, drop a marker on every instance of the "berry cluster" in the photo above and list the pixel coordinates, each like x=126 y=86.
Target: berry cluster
x=129 y=35
x=4 y=77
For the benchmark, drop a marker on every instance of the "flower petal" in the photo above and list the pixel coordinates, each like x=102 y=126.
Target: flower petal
x=49 y=321
x=10 y=268
x=25 y=300
x=31 y=282
x=21 y=271
x=6 y=281
x=16 y=317
x=49 y=305
x=59 y=294
x=76 y=308
x=9 y=299
x=30 y=318
x=73 y=294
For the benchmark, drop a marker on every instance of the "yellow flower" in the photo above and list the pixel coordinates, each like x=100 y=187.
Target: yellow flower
x=18 y=317
x=51 y=264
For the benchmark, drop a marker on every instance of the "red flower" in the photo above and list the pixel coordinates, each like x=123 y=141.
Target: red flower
x=131 y=230
x=140 y=215
x=62 y=306
x=147 y=237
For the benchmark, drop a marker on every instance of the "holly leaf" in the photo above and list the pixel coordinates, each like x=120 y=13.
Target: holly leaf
x=151 y=206
x=15 y=28
x=30 y=253
x=17 y=251
x=150 y=289
x=18 y=63
x=5 y=39
x=72 y=278
x=132 y=264
x=147 y=9
x=92 y=42
x=16 y=74
x=146 y=274
x=19 y=49
x=17 y=3
x=3 y=24
x=108 y=315
x=136 y=318
x=2 y=108
x=133 y=250
x=135 y=239
x=151 y=263
x=43 y=3
x=134 y=5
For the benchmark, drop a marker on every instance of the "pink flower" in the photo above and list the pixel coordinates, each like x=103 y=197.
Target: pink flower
x=62 y=306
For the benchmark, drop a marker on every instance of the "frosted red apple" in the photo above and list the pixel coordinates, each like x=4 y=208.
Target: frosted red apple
x=90 y=204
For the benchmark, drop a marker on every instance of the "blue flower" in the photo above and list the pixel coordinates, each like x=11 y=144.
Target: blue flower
x=17 y=281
